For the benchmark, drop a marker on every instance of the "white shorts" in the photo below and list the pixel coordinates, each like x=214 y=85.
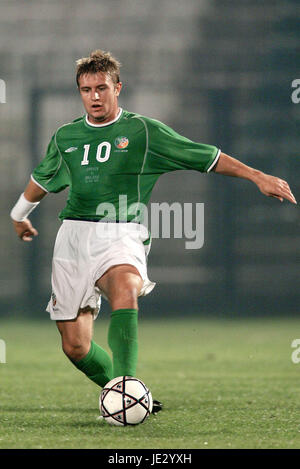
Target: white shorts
x=83 y=252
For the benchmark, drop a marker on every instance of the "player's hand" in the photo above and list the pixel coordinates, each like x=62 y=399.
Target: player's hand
x=272 y=186
x=25 y=230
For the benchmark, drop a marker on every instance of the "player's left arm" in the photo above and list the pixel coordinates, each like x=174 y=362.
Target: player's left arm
x=269 y=185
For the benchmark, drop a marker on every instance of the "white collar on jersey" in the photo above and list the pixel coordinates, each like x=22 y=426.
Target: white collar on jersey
x=106 y=123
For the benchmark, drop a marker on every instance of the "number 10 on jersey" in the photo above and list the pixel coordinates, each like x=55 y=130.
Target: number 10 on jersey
x=102 y=155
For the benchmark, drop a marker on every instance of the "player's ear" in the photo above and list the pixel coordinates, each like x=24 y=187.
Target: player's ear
x=118 y=88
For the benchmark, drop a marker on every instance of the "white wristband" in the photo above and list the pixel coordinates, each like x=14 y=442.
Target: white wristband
x=22 y=208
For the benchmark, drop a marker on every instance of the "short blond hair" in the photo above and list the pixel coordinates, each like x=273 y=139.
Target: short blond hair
x=98 y=61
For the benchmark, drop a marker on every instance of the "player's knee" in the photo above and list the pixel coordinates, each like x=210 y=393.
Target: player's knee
x=75 y=350
x=128 y=293
x=131 y=288
x=126 y=297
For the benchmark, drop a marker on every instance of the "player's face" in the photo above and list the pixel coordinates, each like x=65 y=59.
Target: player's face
x=99 y=95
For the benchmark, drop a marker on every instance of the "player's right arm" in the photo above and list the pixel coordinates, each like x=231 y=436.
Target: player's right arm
x=31 y=197
x=50 y=175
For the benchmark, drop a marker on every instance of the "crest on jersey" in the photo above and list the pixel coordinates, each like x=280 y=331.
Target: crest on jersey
x=121 y=142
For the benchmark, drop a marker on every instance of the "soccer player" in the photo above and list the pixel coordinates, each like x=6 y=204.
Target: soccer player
x=103 y=157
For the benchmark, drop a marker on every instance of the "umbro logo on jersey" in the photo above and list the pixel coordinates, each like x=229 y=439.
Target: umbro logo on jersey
x=69 y=150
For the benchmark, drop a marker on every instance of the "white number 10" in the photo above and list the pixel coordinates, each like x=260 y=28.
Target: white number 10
x=99 y=157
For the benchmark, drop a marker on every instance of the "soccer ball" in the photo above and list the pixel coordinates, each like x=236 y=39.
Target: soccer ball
x=125 y=401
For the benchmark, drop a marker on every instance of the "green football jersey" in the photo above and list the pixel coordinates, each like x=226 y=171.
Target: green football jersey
x=103 y=163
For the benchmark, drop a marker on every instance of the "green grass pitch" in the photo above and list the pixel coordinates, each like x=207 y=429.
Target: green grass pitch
x=224 y=384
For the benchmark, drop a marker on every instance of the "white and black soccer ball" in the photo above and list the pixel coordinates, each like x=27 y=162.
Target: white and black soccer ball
x=125 y=401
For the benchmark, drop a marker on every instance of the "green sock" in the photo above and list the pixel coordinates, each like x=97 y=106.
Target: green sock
x=123 y=341
x=96 y=365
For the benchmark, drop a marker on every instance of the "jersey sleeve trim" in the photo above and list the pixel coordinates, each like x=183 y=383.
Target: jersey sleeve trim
x=59 y=163
x=145 y=155
x=191 y=167
x=61 y=158
x=214 y=162
x=169 y=159
x=38 y=184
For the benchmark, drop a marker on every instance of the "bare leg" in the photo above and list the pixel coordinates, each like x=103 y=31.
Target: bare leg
x=122 y=285
x=83 y=352
x=76 y=335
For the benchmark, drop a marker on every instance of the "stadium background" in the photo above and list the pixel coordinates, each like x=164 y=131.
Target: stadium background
x=217 y=71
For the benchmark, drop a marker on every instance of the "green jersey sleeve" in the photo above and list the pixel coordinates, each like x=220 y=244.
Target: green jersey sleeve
x=169 y=151
x=52 y=174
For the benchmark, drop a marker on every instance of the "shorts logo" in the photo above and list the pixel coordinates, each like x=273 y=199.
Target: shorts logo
x=53 y=296
x=121 y=142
